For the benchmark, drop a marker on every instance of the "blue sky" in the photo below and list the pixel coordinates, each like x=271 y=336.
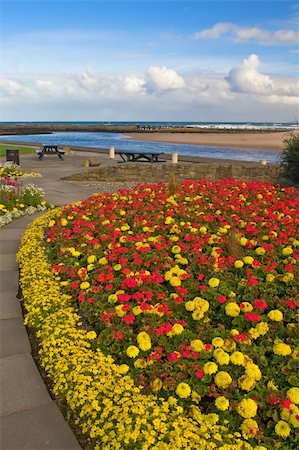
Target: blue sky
x=149 y=60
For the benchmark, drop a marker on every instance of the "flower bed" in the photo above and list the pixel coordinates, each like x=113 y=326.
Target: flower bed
x=17 y=200
x=186 y=334
x=10 y=169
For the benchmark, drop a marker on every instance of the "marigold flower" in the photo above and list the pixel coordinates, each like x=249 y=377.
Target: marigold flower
x=222 y=403
x=238 y=264
x=209 y=368
x=232 y=309
x=247 y=408
x=282 y=349
x=249 y=428
x=183 y=390
x=293 y=395
x=223 y=379
x=214 y=282
x=132 y=351
x=275 y=315
x=237 y=358
x=282 y=429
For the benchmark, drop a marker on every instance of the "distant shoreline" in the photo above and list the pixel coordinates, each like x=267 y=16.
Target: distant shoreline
x=268 y=141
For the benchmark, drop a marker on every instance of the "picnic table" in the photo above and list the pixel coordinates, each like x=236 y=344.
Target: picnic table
x=50 y=150
x=131 y=156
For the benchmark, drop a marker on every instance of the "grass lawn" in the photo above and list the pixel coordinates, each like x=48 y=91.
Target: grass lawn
x=23 y=149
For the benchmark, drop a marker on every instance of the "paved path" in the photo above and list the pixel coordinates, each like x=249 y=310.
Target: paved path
x=29 y=418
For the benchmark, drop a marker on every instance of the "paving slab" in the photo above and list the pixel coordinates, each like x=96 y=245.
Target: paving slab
x=10 y=306
x=9 y=280
x=8 y=262
x=9 y=245
x=40 y=428
x=13 y=337
x=22 y=387
x=11 y=233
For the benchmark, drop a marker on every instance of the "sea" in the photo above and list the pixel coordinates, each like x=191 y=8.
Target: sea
x=120 y=142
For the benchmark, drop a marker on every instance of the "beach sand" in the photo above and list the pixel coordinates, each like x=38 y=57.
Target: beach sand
x=272 y=141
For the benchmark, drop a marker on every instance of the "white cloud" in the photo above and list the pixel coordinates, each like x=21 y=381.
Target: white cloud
x=246 y=78
x=159 y=93
x=159 y=79
x=245 y=34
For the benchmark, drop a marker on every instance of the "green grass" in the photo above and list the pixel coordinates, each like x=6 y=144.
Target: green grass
x=23 y=149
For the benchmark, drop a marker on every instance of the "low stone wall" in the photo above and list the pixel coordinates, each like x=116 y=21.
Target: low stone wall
x=156 y=172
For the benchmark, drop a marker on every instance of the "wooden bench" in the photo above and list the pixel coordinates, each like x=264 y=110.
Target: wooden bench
x=50 y=150
x=131 y=156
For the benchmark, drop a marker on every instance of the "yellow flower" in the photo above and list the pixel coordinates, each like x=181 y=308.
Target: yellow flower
x=237 y=358
x=275 y=315
x=246 y=307
x=51 y=223
x=190 y=305
x=91 y=335
x=197 y=345
x=293 y=395
x=287 y=251
x=123 y=369
x=176 y=249
x=177 y=329
x=247 y=408
x=243 y=241
x=175 y=281
x=214 y=282
x=157 y=385
x=221 y=356
x=281 y=349
x=64 y=222
x=246 y=383
x=132 y=351
x=217 y=342
x=260 y=251
x=232 y=309
x=253 y=371
x=103 y=261
x=222 y=403
x=84 y=285
x=209 y=368
x=238 y=264
x=249 y=428
x=91 y=259
x=270 y=278
x=282 y=429
x=223 y=379
x=183 y=390
x=144 y=341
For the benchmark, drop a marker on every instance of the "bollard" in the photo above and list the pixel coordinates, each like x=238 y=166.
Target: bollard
x=111 y=152
x=263 y=161
x=12 y=154
x=174 y=158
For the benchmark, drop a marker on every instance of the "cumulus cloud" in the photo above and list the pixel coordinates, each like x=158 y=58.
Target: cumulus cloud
x=246 y=78
x=158 y=92
x=245 y=34
x=159 y=79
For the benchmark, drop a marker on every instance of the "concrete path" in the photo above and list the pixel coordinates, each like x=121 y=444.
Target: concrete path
x=29 y=418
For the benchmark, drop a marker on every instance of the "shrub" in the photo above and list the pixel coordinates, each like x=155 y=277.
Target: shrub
x=289 y=159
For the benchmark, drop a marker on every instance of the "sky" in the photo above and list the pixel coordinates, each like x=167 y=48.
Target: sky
x=163 y=60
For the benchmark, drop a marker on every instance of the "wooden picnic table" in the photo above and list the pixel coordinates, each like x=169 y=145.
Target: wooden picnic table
x=131 y=156
x=50 y=150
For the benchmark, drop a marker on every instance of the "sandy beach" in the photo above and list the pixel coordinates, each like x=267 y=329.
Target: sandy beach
x=272 y=141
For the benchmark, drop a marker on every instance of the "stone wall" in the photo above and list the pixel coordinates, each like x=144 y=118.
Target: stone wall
x=156 y=172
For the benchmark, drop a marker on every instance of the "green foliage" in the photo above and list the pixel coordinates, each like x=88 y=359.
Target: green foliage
x=22 y=149
x=289 y=159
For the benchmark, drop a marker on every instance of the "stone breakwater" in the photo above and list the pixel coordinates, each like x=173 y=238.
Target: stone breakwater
x=157 y=172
